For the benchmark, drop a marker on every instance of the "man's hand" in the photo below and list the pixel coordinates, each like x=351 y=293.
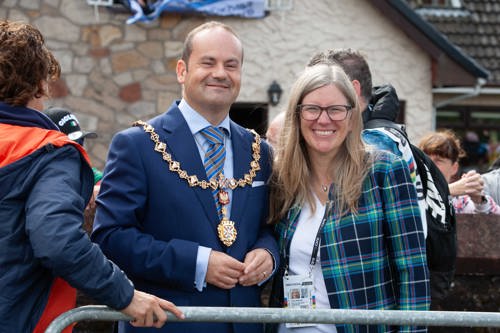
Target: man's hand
x=223 y=270
x=145 y=307
x=258 y=266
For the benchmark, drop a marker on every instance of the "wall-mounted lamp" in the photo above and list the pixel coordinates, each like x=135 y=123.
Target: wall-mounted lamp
x=274 y=93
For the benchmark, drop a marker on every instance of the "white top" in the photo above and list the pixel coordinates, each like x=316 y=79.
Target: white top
x=300 y=257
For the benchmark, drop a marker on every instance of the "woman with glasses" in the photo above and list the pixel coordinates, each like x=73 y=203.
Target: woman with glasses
x=347 y=217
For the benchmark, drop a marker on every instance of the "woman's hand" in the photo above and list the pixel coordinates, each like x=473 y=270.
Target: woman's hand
x=471 y=184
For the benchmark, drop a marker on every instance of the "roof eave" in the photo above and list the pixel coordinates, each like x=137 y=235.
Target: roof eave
x=429 y=38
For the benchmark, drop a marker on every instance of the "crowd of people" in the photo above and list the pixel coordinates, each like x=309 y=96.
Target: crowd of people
x=192 y=209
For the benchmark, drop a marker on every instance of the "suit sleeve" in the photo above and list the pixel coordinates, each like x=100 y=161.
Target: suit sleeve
x=405 y=240
x=54 y=216
x=121 y=206
x=267 y=239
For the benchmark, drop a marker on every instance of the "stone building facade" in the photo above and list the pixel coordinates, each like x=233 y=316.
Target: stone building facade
x=114 y=73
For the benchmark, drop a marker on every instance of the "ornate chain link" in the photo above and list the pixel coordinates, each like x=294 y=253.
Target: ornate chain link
x=192 y=180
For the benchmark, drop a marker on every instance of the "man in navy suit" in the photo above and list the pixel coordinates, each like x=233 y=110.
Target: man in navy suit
x=179 y=229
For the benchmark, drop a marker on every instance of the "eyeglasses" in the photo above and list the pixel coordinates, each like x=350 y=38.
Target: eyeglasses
x=313 y=112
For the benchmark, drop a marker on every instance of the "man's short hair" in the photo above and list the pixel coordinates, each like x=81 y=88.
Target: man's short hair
x=188 y=43
x=352 y=62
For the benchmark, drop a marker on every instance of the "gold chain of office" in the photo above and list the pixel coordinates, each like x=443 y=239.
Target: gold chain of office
x=193 y=181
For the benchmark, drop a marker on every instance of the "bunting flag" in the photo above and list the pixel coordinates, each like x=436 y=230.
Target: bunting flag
x=151 y=11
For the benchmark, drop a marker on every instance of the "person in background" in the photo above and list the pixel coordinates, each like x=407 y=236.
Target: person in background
x=476 y=152
x=68 y=124
x=444 y=149
x=492 y=180
x=46 y=181
x=274 y=130
x=184 y=197
x=347 y=217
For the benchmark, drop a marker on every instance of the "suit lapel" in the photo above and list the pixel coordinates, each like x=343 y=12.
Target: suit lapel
x=182 y=146
x=242 y=157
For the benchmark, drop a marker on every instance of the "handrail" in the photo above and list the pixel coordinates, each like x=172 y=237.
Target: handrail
x=277 y=315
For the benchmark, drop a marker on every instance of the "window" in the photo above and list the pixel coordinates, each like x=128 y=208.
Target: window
x=250 y=115
x=469 y=118
x=474 y=125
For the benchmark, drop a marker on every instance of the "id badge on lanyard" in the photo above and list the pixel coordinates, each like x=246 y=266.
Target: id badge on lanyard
x=299 y=293
x=299 y=290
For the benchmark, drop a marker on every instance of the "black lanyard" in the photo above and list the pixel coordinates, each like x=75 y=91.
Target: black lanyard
x=314 y=254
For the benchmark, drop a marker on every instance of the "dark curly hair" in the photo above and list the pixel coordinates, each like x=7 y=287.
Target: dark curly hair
x=25 y=63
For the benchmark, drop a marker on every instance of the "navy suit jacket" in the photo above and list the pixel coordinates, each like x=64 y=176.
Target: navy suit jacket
x=150 y=222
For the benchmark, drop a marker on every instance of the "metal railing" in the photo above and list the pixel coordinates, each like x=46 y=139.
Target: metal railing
x=276 y=315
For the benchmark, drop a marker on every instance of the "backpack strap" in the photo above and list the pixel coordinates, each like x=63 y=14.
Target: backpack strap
x=388 y=125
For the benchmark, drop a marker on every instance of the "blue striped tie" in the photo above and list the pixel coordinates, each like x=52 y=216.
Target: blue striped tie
x=214 y=157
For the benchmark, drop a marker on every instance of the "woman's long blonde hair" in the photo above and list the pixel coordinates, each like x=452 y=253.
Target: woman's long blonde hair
x=290 y=180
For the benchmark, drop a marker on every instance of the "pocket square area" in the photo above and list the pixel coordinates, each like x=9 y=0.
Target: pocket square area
x=258 y=183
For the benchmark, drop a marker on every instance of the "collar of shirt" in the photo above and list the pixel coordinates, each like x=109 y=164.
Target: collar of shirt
x=197 y=122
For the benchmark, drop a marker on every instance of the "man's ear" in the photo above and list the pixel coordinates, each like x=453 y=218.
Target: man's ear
x=357 y=87
x=181 y=70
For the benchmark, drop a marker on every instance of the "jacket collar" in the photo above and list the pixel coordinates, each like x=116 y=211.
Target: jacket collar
x=24 y=116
